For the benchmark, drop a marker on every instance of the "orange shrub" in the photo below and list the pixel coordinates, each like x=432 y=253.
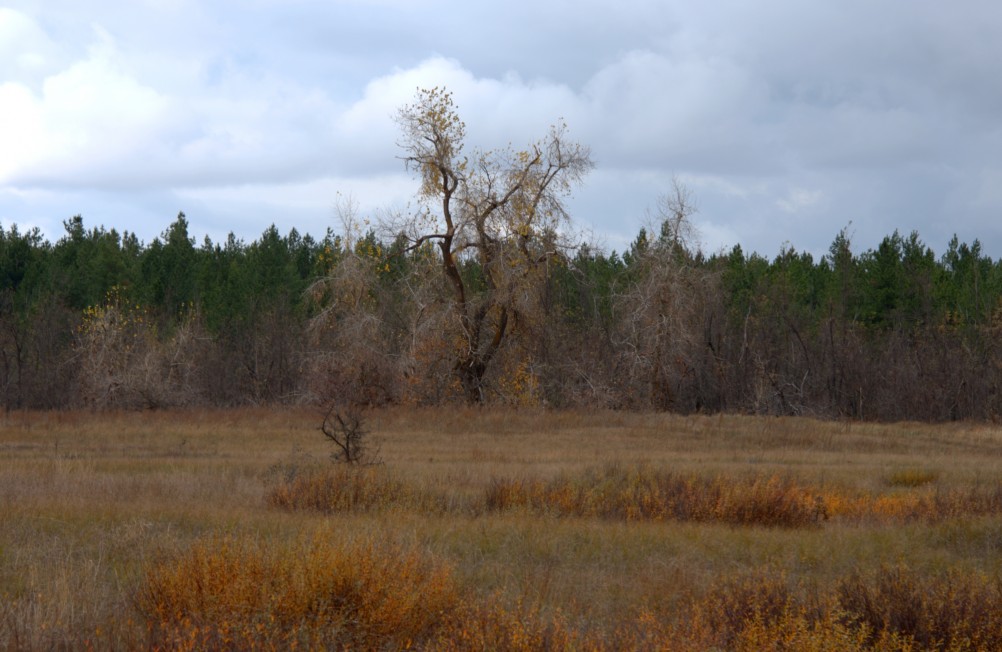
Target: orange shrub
x=337 y=488
x=646 y=494
x=893 y=610
x=233 y=594
x=912 y=505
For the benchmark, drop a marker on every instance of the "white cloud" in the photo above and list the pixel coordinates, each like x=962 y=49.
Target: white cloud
x=372 y=193
x=497 y=111
x=25 y=50
x=22 y=130
x=86 y=117
x=716 y=238
x=738 y=187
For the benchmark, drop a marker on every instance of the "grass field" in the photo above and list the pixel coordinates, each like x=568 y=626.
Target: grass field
x=499 y=529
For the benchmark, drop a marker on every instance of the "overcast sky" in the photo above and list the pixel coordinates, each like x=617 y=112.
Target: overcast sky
x=788 y=120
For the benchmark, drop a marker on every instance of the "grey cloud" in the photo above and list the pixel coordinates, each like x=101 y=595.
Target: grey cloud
x=887 y=112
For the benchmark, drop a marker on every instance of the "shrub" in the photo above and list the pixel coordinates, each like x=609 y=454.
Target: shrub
x=226 y=593
x=345 y=430
x=927 y=504
x=645 y=494
x=892 y=610
x=333 y=489
x=912 y=478
x=950 y=611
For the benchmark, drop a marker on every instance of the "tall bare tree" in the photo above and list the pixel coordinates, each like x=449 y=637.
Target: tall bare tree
x=662 y=329
x=351 y=363
x=495 y=218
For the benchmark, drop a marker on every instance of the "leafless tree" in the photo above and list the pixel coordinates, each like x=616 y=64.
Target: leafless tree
x=350 y=362
x=660 y=313
x=345 y=429
x=122 y=362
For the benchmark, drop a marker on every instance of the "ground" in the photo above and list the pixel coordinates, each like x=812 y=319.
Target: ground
x=516 y=511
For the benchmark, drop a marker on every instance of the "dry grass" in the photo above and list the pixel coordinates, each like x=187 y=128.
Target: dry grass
x=541 y=530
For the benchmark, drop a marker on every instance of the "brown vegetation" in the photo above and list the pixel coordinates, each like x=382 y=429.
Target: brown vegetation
x=488 y=530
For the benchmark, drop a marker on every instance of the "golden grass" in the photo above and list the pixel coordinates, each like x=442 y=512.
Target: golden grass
x=614 y=530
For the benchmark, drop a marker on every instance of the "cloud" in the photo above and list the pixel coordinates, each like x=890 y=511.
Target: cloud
x=25 y=49
x=649 y=108
x=86 y=117
x=497 y=111
x=786 y=119
x=799 y=199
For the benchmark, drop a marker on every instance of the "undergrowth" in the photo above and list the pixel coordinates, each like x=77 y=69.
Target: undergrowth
x=228 y=594
x=640 y=493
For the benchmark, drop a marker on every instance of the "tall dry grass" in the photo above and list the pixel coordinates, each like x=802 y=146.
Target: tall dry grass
x=565 y=530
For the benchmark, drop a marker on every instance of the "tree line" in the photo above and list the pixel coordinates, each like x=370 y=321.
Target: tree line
x=481 y=297
x=894 y=332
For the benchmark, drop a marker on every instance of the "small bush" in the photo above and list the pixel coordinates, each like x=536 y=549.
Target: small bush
x=951 y=611
x=928 y=505
x=226 y=593
x=333 y=489
x=346 y=431
x=731 y=607
x=912 y=478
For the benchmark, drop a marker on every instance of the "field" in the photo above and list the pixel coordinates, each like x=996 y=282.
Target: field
x=494 y=529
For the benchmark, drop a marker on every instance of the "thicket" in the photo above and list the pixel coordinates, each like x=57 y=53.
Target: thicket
x=99 y=318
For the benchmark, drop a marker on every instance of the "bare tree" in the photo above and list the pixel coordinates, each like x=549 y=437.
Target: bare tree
x=660 y=311
x=346 y=431
x=123 y=363
x=495 y=218
x=350 y=363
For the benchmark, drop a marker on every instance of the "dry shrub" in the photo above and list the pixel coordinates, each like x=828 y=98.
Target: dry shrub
x=735 y=607
x=950 y=611
x=125 y=362
x=912 y=478
x=226 y=593
x=646 y=494
x=640 y=493
x=968 y=502
x=892 y=610
x=491 y=625
x=794 y=630
x=338 y=488
x=928 y=505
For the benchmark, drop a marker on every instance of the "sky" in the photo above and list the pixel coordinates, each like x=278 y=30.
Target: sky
x=788 y=121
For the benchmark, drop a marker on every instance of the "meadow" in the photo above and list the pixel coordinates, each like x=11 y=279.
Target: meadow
x=491 y=529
